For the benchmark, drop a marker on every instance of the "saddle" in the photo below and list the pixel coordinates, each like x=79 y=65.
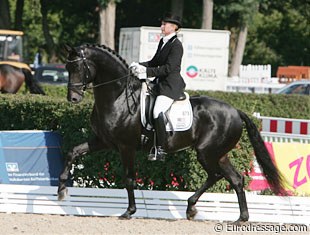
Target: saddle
x=178 y=118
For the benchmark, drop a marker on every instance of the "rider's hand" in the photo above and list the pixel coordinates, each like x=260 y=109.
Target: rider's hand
x=138 y=70
x=132 y=68
x=133 y=64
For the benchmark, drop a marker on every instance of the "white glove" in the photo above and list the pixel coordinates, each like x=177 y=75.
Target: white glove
x=133 y=64
x=150 y=79
x=142 y=76
x=132 y=68
x=138 y=70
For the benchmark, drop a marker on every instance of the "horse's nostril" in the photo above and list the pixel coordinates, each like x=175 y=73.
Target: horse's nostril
x=73 y=97
x=74 y=100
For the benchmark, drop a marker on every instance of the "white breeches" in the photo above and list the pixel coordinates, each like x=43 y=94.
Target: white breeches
x=162 y=104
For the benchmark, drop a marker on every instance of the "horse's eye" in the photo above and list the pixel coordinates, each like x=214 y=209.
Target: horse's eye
x=75 y=66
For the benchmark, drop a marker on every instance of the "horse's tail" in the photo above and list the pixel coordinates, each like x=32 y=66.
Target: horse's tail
x=270 y=171
x=32 y=84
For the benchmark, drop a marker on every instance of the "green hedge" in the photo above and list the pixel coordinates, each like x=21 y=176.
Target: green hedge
x=180 y=171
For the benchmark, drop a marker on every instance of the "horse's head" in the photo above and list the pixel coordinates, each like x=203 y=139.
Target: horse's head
x=81 y=73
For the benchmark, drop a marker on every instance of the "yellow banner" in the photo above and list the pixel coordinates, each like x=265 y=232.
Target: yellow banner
x=293 y=160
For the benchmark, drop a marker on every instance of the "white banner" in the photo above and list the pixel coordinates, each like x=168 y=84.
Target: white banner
x=205 y=59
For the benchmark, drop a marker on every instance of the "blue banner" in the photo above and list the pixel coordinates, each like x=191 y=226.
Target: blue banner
x=30 y=157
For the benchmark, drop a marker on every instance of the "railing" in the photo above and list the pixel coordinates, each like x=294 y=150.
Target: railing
x=255 y=71
x=254 y=79
x=284 y=138
x=151 y=204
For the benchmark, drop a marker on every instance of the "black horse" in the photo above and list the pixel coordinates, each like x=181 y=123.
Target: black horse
x=115 y=120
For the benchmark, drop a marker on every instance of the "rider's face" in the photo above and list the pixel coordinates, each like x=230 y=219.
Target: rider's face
x=168 y=28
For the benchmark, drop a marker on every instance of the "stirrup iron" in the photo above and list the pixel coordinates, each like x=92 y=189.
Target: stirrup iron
x=153 y=152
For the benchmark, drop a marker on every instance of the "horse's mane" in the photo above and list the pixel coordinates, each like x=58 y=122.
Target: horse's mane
x=109 y=50
x=115 y=55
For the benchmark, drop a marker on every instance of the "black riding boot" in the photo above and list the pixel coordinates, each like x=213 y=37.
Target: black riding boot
x=160 y=129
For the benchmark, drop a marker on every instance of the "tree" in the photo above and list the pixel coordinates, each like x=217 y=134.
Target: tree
x=18 y=24
x=177 y=7
x=241 y=13
x=50 y=45
x=239 y=50
x=207 y=14
x=5 y=20
x=107 y=9
x=277 y=33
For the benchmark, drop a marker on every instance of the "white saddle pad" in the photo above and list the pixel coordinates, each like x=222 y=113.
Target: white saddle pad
x=180 y=114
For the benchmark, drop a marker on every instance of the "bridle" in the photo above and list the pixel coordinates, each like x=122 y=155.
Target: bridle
x=84 y=84
x=74 y=86
x=88 y=74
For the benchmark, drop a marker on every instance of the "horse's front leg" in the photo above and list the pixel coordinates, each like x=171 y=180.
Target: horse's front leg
x=76 y=151
x=128 y=158
x=91 y=146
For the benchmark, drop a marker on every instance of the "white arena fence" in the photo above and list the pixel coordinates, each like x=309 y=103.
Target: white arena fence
x=284 y=138
x=151 y=204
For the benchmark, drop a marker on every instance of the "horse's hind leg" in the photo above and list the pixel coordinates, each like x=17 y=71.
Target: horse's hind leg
x=237 y=182
x=214 y=175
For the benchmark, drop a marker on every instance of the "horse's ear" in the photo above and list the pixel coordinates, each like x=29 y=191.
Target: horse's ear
x=68 y=48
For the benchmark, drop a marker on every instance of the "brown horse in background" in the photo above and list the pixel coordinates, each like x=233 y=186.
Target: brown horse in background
x=12 y=78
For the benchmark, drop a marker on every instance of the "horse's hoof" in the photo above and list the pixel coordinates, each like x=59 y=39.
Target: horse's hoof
x=190 y=214
x=239 y=222
x=62 y=194
x=126 y=215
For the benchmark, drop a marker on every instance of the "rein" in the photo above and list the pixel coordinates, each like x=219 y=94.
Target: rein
x=83 y=84
x=106 y=83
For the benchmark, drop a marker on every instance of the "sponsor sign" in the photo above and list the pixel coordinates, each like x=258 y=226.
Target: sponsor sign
x=192 y=71
x=293 y=161
x=30 y=157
